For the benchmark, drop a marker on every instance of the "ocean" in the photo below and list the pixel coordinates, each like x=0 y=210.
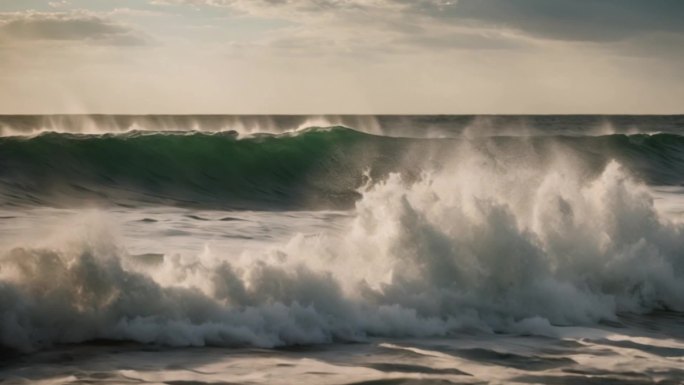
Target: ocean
x=341 y=249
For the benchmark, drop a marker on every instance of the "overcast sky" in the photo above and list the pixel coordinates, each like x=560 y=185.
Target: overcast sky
x=342 y=56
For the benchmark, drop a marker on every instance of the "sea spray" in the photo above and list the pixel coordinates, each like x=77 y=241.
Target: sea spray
x=473 y=243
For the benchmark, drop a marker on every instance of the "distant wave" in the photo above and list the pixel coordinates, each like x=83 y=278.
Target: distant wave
x=311 y=168
x=422 y=126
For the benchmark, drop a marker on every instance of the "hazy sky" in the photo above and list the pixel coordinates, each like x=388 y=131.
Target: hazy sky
x=342 y=56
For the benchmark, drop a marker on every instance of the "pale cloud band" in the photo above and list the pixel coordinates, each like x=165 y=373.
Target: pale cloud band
x=358 y=56
x=66 y=26
x=579 y=20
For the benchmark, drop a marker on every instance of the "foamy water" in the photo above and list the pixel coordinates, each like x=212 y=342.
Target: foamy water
x=500 y=261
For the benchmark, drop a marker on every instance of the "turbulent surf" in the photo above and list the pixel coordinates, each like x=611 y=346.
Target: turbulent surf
x=436 y=241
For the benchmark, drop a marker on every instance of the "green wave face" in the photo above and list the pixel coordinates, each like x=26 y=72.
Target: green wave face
x=314 y=169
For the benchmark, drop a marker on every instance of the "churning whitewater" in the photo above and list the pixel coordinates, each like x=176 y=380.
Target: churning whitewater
x=333 y=235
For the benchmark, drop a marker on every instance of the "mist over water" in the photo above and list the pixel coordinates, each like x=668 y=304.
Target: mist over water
x=544 y=254
x=388 y=125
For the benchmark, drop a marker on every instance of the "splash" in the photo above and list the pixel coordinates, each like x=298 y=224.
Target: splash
x=482 y=243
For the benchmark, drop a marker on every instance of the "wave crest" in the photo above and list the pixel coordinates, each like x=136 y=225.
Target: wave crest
x=311 y=169
x=477 y=244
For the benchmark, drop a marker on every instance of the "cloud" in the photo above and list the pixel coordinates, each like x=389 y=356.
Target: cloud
x=299 y=9
x=584 y=20
x=66 y=26
x=355 y=56
x=59 y=3
x=360 y=27
x=576 y=20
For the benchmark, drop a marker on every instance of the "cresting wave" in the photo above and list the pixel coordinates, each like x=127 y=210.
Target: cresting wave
x=311 y=169
x=195 y=169
x=485 y=241
x=425 y=126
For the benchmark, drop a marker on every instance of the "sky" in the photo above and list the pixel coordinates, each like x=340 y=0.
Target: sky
x=342 y=56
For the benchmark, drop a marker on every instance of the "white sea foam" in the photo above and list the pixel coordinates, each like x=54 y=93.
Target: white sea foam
x=478 y=244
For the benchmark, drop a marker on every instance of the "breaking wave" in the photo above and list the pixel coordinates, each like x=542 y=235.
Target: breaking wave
x=433 y=126
x=311 y=169
x=485 y=241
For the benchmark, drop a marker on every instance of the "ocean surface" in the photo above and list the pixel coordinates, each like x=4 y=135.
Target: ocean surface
x=341 y=249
